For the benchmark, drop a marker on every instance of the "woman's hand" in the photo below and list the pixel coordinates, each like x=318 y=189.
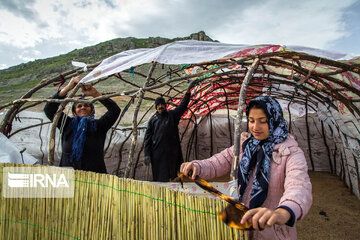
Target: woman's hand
x=189 y=168
x=89 y=90
x=73 y=82
x=265 y=217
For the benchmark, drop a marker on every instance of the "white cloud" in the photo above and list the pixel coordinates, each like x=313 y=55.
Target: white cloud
x=25 y=58
x=62 y=25
x=92 y=21
x=36 y=52
x=17 y=31
x=73 y=42
x=307 y=23
x=3 y=66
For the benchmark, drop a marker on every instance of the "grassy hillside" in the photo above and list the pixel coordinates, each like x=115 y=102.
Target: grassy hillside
x=16 y=80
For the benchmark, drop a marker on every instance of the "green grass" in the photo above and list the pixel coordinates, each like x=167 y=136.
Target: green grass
x=5 y=76
x=24 y=86
x=57 y=63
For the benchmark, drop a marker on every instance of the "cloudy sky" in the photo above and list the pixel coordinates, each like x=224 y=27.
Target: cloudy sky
x=35 y=29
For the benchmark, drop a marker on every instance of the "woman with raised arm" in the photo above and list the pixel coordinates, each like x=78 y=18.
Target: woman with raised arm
x=83 y=136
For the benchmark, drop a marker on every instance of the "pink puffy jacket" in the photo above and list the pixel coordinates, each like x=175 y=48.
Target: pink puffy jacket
x=289 y=183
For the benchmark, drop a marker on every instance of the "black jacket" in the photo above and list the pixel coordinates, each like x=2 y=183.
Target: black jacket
x=162 y=142
x=93 y=153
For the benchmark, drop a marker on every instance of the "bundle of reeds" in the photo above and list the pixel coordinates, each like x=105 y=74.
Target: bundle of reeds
x=107 y=207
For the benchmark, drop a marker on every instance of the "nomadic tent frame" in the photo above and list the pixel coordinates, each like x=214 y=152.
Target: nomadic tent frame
x=227 y=76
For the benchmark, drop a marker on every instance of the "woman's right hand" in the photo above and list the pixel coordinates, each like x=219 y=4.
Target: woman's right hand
x=74 y=81
x=189 y=168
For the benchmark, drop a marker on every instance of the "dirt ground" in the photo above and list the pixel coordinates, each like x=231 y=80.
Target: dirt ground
x=335 y=212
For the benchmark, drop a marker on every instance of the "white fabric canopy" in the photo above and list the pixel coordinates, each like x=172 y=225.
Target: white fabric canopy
x=186 y=52
x=9 y=153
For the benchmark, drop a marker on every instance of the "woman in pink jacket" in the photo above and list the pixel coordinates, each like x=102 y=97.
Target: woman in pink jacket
x=272 y=173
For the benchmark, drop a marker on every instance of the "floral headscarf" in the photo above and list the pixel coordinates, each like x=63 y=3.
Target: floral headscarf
x=261 y=151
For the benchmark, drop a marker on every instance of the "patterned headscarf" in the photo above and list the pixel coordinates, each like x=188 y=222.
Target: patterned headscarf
x=261 y=151
x=80 y=126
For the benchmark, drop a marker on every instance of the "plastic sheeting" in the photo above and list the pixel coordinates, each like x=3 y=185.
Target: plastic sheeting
x=36 y=139
x=186 y=52
x=340 y=152
x=10 y=153
x=197 y=142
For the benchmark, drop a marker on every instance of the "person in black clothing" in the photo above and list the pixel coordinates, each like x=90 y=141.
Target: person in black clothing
x=162 y=143
x=83 y=137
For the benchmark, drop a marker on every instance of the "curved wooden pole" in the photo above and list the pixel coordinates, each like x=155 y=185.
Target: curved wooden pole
x=308 y=133
x=118 y=121
x=5 y=125
x=238 y=127
x=134 y=124
x=326 y=145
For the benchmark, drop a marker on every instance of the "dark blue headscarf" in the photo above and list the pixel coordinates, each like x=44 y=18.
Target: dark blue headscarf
x=261 y=151
x=80 y=126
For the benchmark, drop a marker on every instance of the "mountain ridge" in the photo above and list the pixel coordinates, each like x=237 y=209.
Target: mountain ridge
x=35 y=71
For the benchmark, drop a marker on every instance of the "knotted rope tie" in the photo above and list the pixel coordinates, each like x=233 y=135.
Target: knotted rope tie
x=196 y=83
x=62 y=81
x=17 y=118
x=169 y=74
x=119 y=76
x=7 y=129
x=328 y=101
x=132 y=71
x=184 y=66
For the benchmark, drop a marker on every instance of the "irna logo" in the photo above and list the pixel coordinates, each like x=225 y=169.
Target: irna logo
x=21 y=180
x=38 y=182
